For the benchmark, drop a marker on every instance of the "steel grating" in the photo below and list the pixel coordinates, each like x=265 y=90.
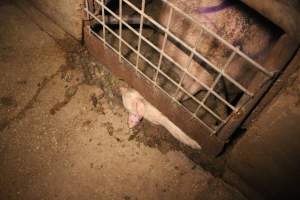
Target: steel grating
x=141 y=58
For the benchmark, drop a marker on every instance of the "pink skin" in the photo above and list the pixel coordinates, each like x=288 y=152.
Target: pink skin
x=135 y=118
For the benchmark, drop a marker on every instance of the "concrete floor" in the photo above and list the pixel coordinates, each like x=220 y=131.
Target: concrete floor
x=63 y=137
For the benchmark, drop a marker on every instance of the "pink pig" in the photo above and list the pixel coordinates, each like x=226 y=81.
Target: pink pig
x=139 y=108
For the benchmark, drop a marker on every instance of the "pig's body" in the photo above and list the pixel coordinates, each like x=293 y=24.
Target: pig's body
x=228 y=19
x=138 y=108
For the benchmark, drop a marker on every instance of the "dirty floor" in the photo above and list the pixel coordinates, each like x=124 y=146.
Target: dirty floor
x=63 y=130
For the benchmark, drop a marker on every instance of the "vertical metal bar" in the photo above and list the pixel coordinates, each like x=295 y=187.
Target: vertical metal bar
x=120 y=28
x=189 y=61
x=103 y=20
x=164 y=43
x=140 y=33
x=89 y=4
x=87 y=16
x=229 y=60
x=86 y=7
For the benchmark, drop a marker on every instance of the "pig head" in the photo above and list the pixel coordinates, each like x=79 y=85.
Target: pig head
x=135 y=105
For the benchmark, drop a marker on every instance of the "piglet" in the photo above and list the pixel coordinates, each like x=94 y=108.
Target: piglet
x=139 y=108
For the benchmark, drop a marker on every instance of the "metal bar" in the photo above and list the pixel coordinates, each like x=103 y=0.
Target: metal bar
x=217 y=80
x=179 y=66
x=190 y=60
x=168 y=57
x=211 y=144
x=140 y=34
x=103 y=19
x=255 y=64
x=191 y=96
x=164 y=42
x=161 y=89
x=194 y=51
x=120 y=28
x=171 y=59
x=165 y=75
x=132 y=65
x=179 y=86
x=178 y=103
x=86 y=7
x=238 y=51
x=237 y=84
x=221 y=71
x=279 y=57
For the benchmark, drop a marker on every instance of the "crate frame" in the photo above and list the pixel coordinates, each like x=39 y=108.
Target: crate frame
x=212 y=143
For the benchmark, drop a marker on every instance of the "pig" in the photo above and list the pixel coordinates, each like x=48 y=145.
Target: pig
x=139 y=108
x=228 y=19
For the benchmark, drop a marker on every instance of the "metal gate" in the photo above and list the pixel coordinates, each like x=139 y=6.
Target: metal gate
x=121 y=40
